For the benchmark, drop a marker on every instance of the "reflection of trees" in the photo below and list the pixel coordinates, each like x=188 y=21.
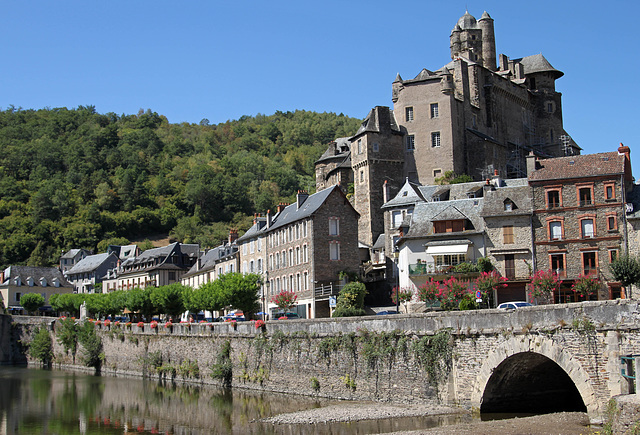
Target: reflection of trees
x=222 y=403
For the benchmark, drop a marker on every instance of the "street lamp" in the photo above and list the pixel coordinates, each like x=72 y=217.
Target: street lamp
x=396 y=255
x=264 y=304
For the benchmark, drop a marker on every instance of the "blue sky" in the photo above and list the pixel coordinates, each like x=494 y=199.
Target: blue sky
x=191 y=60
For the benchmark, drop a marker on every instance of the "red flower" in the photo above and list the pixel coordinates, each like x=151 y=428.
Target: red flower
x=140 y=324
x=259 y=324
x=154 y=324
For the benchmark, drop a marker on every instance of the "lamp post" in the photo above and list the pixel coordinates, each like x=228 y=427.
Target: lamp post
x=264 y=303
x=396 y=255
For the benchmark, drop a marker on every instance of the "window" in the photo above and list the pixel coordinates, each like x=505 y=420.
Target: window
x=409 y=114
x=557 y=264
x=434 y=110
x=554 y=198
x=283 y=257
x=291 y=259
x=396 y=217
x=437 y=173
x=587 y=228
x=510 y=266
x=361 y=175
x=251 y=269
x=613 y=254
x=172 y=276
x=305 y=253
x=551 y=107
x=589 y=262
x=508 y=205
x=252 y=246
x=435 y=139
x=411 y=142
x=18 y=295
x=334 y=226
x=334 y=251
x=507 y=234
x=376 y=147
x=555 y=230
x=297 y=231
x=359 y=146
x=448 y=226
x=306 y=280
x=304 y=228
x=297 y=254
x=585 y=196
x=609 y=191
x=443 y=261
x=612 y=222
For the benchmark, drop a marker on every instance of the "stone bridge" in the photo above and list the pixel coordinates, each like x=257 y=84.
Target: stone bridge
x=539 y=359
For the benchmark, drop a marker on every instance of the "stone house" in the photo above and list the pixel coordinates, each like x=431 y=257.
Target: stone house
x=71 y=257
x=156 y=267
x=90 y=271
x=507 y=211
x=16 y=281
x=306 y=245
x=579 y=216
x=213 y=263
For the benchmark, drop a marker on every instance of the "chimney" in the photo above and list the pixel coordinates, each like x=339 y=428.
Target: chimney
x=233 y=235
x=385 y=192
x=255 y=218
x=269 y=218
x=301 y=197
x=281 y=207
x=504 y=62
x=519 y=71
x=531 y=163
x=496 y=180
x=624 y=150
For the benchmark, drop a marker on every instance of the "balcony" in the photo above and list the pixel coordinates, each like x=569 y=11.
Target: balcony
x=467 y=269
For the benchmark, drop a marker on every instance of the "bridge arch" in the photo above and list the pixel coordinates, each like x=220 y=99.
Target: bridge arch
x=540 y=355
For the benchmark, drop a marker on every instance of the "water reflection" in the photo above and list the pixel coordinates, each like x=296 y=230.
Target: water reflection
x=57 y=402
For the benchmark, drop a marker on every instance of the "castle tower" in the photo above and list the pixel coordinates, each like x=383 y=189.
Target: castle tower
x=466 y=39
x=488 y=41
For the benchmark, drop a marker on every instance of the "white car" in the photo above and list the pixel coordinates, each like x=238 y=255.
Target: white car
x=513 y=305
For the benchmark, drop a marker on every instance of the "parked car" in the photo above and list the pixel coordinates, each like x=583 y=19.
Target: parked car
x=513 y=305
x=385 y=312
x=289 y=316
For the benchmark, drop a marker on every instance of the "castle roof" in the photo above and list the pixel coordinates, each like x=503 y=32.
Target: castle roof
x=467 y=22
x=538 y=63
x=372 y=123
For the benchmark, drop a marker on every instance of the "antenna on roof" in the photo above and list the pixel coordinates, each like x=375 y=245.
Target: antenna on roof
x=566 y=147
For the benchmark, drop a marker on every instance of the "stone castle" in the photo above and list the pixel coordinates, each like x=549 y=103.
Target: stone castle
x=479 y=115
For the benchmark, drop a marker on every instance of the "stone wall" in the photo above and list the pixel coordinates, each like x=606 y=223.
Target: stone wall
x=446 y=357
x=5 y=339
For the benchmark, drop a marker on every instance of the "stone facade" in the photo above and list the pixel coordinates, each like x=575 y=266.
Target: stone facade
x=579 y=216
x=214 y=263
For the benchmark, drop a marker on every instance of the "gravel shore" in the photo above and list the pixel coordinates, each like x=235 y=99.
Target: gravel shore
x=565 y=423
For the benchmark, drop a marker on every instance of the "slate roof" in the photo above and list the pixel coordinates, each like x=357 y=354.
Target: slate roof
x=212 y=257
x=255 y=230
x=424 y=213
x=538 y=63
x=517 y=190
x=372 y=123
x=24 y=272
x=339 y=148
x=292 y=213
x=71 y=253
x=580 y=166
x=163 y=252
x=92 y=262
x=408 y=194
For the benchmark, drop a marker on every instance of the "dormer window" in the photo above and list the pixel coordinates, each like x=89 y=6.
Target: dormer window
x=30 y=281
x=43 y=281
x=509 y=205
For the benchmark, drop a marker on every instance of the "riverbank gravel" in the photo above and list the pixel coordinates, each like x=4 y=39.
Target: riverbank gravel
x=563 y=423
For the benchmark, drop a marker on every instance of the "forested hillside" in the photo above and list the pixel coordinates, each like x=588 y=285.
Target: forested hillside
x=80 y=179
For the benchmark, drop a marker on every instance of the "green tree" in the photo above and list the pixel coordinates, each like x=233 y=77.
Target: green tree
x=68 y=332
x=31 y=301
x=351 y=300
x=240 y=291
x=626 y=270
x=92 y=354
x=41 y=346
x=169 y=299
x=138 y=300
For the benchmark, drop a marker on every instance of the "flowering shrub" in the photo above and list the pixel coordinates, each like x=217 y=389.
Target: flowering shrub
x=285 y=300
x=488 y=282
x=586 y=286
x=116 y=323
x=451 y=293
x=283 y=318
x=98 y=323
x=140 y=324
x=428 y=291
x=259 y=324
x=153 y=324
x=128 y=324
x=107 y=322
x=543 y=284
x=403 y=294
x=232 y=322
x=167 y=325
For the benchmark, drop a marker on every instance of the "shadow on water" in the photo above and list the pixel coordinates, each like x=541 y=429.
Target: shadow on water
x=58 y=402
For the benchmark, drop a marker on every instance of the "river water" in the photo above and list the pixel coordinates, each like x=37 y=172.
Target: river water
x=36 y=401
